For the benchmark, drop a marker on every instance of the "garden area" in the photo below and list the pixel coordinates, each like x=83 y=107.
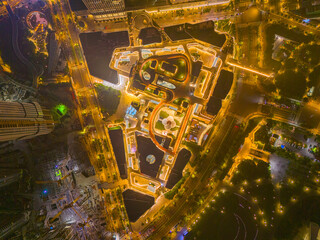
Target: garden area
x=291 y=84
x=274 y=211
x=169 y=120
x=175 y=67
x=108 y=98
x=298 y=71
x=283 y=31
x=298 y=184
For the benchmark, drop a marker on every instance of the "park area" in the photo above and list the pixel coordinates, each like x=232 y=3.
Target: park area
x=168 y=121
x=108 y=98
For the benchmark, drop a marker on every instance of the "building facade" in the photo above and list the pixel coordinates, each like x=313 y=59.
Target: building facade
x=105 y=9
x=20 y=121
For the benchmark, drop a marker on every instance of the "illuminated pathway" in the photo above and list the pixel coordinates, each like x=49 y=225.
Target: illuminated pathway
x=182 y=129
x=151 y=130
x=186 y=5
x=233 y=63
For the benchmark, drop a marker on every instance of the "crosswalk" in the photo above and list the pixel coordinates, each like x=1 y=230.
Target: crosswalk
x=290 y=115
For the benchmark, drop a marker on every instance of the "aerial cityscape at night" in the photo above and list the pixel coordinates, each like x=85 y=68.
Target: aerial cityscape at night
x=160 y=119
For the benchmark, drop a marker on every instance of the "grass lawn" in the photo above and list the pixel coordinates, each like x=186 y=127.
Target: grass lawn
x=146 y=65
x=174 y=129
x=163 y=114
x=159 y=125
x=181 y=73
x=108 y=98
x=177 y=122
x=179 y=62
x=178 y=101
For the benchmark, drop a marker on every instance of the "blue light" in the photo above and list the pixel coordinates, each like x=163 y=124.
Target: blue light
x=45 y=191
x=307 y=20
x=282 y=146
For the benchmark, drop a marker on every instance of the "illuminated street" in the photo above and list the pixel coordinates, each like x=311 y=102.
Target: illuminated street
x=176 y=119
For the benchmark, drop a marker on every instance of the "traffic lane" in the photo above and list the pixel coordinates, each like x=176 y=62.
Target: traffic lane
x=247 y=100
x=294 y=23
x=213 y=16
x=82 y=78
x=164 y=225
x=78 y=79
x=81 y=75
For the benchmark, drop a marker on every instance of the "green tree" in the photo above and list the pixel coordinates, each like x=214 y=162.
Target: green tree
x=108 y=98
x=291 y=84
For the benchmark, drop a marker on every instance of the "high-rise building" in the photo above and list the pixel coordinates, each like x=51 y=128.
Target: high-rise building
x=105 y=9
x=9 y=223
x=19 y=121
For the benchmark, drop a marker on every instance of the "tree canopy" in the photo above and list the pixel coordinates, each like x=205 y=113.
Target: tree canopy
x=109 y=99
x=291 y=84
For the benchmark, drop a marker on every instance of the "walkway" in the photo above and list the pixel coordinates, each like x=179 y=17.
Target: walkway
x=152 y=136
x=183 y=128
x=232 y=62
x=245 y=151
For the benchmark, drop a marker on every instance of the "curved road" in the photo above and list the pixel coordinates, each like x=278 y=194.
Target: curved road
x=16 y=49
x=154 y=140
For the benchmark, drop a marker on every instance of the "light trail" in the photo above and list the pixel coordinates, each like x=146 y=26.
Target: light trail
x=188 y=7
x=250 y=69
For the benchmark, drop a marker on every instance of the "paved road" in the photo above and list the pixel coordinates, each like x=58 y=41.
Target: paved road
x=173 y=216
x=82 y=80
x=310 y=115
x=247 y=99
x=302 y=26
